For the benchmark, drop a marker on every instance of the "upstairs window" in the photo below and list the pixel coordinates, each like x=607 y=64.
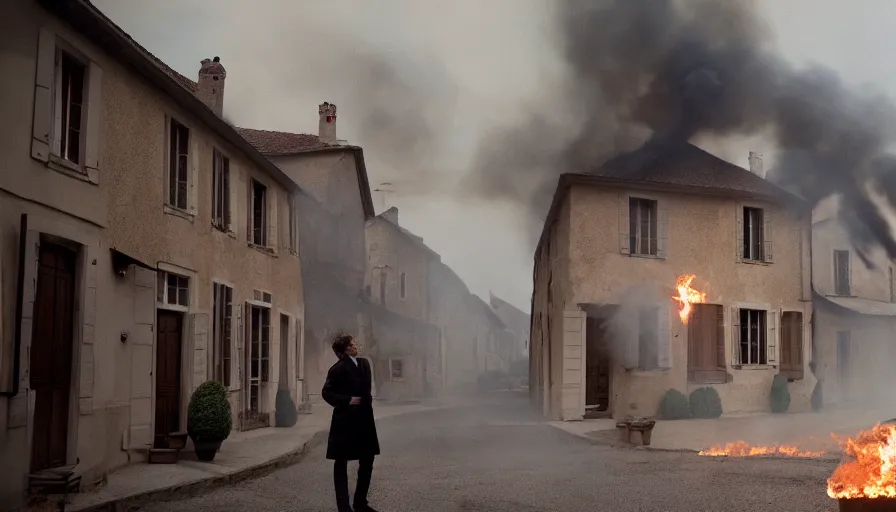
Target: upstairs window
x=178 y=164
x=841 y=273
x=754 y=234
x=643 y=227
x=220 y=191
x=68 y=107
x=259 y=215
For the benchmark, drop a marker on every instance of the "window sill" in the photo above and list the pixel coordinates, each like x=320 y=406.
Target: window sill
x=648 y=372
x=72 y=170
x=226 y=231
x=262 y=249
x=647 y=256
x=754 y=367
x=755 y=262
x=177 y=212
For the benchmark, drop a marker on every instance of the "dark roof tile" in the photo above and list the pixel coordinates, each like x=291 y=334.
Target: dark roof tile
x=281 y=143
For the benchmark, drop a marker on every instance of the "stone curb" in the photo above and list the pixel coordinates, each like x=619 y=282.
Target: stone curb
x=204 y=485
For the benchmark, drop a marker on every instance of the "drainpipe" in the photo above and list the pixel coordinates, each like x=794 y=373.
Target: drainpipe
x=20 y=292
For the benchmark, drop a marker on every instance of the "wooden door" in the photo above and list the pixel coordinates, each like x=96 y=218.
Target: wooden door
x=169 y=332
x=52 y=346
x=597 y=365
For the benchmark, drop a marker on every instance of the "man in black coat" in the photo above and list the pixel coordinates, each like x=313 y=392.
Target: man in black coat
x=352 y=429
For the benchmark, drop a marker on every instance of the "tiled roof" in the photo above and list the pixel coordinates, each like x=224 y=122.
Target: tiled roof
x=281 y=143
x=687 y=165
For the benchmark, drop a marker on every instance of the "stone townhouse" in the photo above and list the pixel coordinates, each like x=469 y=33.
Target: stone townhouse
x=855 y=316
x=450 y=310
x=607 y=336
x=408 y=349
x=332 y=210
x=145 y=247
x=517 y=322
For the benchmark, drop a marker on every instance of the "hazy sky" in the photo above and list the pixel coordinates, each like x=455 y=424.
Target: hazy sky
x=418 y=83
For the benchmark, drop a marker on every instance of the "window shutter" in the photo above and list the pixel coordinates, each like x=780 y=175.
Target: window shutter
x=42 y=125
x=739 y=226
x=720 y=339
x=236 y=354
x=767 y=234
x=227 y=195
x=623 y=224
x=771 y=340
x=273 y=218
x=662 y=229
x=199 y=328
x=94 y=124
x=250 y=209
x=735 y=335
x=664 y=338
x=192 y=197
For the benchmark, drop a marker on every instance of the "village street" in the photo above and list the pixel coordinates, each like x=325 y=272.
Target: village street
x=491 y=459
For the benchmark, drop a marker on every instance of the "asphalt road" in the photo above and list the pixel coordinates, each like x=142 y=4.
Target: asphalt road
x=501 y=458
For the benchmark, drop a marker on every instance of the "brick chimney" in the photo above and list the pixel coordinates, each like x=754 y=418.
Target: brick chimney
x=327 y=127
x=391 y=215
x=211 y=84
x=756 y=166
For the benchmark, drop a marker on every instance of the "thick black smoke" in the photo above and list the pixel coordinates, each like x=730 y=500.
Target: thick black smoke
x=662 y=72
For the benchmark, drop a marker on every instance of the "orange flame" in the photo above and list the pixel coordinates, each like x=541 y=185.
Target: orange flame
x=742 y=449
x=871 y=470
x=687 y=296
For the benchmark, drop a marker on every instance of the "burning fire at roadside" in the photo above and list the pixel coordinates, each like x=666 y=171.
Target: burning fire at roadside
x=687 y=296
x=871 y=470
x=743 y=449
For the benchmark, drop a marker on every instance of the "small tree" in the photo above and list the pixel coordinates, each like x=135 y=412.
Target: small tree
x=674 y=406
x=780 y=395
x=705 y=402
x=208 y=416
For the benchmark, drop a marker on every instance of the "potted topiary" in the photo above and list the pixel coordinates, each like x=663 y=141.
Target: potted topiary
x=780 y=395
x=706 y=403
x=208 y=419
x=674 y=406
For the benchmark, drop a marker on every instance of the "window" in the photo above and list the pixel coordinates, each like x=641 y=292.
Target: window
x=753 y=337
x=706 y=344
x=220 y=191
x=68 y=107
x=259 y=353
x=403 y=286
x=841 y=273
x=258 y=215
x=754 y=234
x=178 y=164
x=396 y=369
x=173 y=289
x=643 y=225
x=792 y=345
x=293 y=224
x=648 y=339
x=222 y=331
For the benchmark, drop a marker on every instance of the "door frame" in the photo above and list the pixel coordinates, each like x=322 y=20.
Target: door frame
x=186 y=341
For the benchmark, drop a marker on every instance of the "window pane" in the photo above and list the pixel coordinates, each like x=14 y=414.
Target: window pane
x=183 y=296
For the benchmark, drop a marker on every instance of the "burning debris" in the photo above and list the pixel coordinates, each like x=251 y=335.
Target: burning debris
x=743 y=449
x=687 y=296
x=871 y=470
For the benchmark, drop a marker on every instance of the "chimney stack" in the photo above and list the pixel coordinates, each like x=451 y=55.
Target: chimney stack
x=756 y=166
x=211 y=84
x=327 y=127
x=391 y=215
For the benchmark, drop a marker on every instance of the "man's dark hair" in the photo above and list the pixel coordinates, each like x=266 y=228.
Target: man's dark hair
x=341 y=343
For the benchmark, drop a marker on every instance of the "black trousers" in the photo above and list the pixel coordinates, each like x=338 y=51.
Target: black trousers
x=340 y=482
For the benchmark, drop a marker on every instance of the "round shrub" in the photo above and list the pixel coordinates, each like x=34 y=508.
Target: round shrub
x=705 y=402
x=817 y=397
x=208 y=416
x=780 y=395
x=674 y=406
x=285 y=414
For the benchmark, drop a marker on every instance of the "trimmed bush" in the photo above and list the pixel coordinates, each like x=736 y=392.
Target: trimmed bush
x=817 y=397
x=208 y=416
x=674 y=406
x=705 y=402
x=284 y=409
x=780 y=395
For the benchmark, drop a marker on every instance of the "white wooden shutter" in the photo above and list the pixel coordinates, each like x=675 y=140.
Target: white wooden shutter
x=739 y=226
x=273 y=219
x=193 y=192
x=662 y=229
x=734 y=315
x=771 y=339
x=142 y=351
x=234 y=183
x=42 y=126
x=236 y=357
x=93 y=125
x=199 y=331
x=664 y=337
x=767 y=234
x=623 y=223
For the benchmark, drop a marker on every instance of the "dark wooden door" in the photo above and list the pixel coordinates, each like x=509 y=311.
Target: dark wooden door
x=168 y=371
x=597 y=365
x=52 y=344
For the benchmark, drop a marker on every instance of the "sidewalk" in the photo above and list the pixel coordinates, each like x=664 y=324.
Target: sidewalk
x=243 y=455
x=808 y=431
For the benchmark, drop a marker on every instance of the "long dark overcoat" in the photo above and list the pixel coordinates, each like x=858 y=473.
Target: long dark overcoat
x=352 y=429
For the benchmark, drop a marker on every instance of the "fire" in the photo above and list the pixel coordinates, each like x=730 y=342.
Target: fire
x=687 y=296
x=743 y=449
x=871 y=470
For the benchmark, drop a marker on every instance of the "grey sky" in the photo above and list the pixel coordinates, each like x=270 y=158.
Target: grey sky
x=418 y=83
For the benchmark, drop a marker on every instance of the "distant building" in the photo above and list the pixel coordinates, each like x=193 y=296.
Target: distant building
x=517 y=321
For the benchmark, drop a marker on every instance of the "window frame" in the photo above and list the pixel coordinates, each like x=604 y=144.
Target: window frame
x=222 y=181
x=761 y=330
x=58 y=133
x=162 y=289
x=748 y=233
x=265 y=215
x=637 y=205
x=842 y=289
x=392 y=368
x=220 y=337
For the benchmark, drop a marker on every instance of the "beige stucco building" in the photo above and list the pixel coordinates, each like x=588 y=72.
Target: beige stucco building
x=855 y=316
x=145 y=247
x=607 y=337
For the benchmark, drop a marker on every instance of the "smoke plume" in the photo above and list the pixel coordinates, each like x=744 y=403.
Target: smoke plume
x=645 y=75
